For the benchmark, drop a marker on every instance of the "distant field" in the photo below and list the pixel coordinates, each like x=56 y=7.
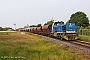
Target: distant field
x=8 y=32
x=84 y=34
x=32 y=47
x=84 y=31
x=84 y=38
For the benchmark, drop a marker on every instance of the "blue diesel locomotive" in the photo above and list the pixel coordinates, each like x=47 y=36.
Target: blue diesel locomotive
x=70 y=33
x=67 y=31
x=58 y=30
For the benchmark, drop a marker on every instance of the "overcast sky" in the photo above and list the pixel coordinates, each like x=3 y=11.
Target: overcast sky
x=23 y=12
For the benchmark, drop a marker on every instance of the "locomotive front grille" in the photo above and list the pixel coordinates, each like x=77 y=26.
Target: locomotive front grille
x=71 y=37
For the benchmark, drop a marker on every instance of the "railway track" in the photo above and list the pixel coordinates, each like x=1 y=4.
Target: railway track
x=79 y=45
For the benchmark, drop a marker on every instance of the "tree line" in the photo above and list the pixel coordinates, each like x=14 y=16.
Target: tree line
x=79 y=18
x=4 y=29
x=39 y=25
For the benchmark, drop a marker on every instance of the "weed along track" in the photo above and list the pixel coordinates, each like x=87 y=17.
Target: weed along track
x=82 y=46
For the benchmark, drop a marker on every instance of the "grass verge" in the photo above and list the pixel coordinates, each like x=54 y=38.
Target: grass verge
x=32 y=47
x=84 y=38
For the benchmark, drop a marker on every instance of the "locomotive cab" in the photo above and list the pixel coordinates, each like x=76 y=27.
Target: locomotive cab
x=71 y=33
x=58 y=26
x=58 y=29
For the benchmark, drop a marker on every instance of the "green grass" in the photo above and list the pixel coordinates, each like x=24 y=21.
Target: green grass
x=84 y=38
x=8 y=32
x=33 y=49
x=39 y=50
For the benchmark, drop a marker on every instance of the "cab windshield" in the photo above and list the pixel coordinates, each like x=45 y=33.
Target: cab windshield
x=58 y=23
